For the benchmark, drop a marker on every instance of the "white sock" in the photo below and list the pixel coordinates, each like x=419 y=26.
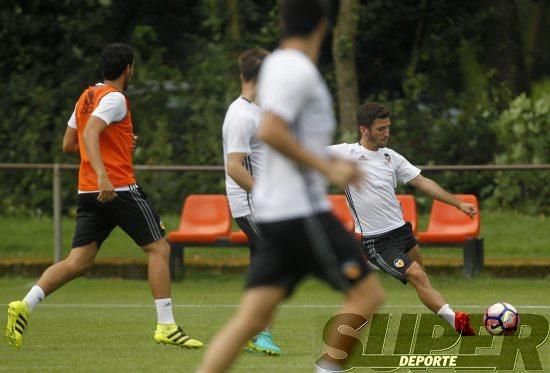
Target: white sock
x=164 y=311
x=447 y=314
x=33 y=297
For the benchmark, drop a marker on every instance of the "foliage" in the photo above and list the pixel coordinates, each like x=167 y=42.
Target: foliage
x=522 y=130
x=425 y=58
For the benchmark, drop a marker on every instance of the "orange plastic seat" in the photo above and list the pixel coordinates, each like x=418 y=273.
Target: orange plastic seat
x=408 y=206
x=340 y=210
x=450 y=225
x=238 y=237
x=205 y=218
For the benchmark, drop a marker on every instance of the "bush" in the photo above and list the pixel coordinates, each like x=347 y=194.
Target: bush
x=522 y=132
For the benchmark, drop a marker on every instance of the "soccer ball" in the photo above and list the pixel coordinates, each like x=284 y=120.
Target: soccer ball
x=501 y=318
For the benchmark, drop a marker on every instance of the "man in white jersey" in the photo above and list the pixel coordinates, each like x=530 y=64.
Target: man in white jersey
x=387 y=240
x=242 y=152
x=101 y=131
x=301 y=236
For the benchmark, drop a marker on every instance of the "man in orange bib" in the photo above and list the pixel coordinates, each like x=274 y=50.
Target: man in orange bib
x=101 y=130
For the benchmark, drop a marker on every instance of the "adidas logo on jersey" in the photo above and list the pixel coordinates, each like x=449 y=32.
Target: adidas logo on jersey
x=363 y=158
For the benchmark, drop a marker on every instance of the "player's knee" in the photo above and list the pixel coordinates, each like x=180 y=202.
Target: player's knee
x=160 y=247
x=416 y=275
x=369 y=295
x=378 y=296
x=78 y=267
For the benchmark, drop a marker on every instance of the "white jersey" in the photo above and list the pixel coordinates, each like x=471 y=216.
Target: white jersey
x=372 y=201
x=291 y=87
x=111 y=108
x=239 y=136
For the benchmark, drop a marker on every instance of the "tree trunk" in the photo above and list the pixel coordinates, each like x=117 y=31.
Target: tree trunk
x=504 y=49
x=233 y=27
x=343 y=51
x=536 y=65
x=419 y=36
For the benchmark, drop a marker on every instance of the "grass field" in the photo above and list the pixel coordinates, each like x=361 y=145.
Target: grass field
x=107 y=325
x=506 y=235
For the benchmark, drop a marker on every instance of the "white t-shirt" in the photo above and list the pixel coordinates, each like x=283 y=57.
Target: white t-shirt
x=372 y=201
x=111 y=108
x=291 y=87
x=239 y=136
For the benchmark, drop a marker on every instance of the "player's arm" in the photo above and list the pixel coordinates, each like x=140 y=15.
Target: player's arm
x=70 y=140
x=434 y=190
x=93 y=129
x=275 y=132
x=237 y=171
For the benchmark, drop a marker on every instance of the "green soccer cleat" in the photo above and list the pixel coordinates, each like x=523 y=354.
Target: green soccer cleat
x=18 y=316
x=263 y=342
x=174 y=335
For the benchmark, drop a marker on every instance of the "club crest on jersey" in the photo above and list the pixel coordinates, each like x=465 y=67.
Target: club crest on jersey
x=388 y=158
x=398 y=263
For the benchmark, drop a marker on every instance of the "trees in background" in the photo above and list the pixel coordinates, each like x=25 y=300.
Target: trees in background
x=448 y=70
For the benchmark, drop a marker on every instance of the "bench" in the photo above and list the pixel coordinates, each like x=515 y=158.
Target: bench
x=206 y=221
x=450 y=227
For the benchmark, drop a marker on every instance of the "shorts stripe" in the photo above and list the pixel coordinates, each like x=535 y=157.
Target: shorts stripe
x=248 y=166
x=254 y=226
x=147 y=213
x=381 y=263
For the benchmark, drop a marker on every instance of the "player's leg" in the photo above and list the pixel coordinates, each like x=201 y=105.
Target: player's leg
x=418 y=278
x=158 y=269
x=135 y=214
x=91 y=231
x=416 y=256
x=433 y=299
x=256 y=309
x=58 y=274
x=349 y=273
x=263 y=341
x=80 y=259
x=272 y=276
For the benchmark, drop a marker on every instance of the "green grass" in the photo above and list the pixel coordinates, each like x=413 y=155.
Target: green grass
x=109 y=323
x=506 y=235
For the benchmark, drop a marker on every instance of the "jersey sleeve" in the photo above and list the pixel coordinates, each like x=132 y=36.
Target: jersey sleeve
x=72 y=120
x=404 y=170
x=240 y=131
x=338 y=150
x=284 y=91
x=111 y=108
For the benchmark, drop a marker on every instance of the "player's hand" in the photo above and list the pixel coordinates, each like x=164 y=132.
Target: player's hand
x=106 y=189
x=468 y=209
x=342 y=172
x=134 y=142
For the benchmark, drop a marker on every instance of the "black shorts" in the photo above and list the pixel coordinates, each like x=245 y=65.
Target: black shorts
x=317 y=245
x=130 y=210
x=388 y=251
x=252 y=231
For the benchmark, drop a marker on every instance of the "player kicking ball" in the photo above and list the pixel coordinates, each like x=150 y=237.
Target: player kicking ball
x=101 y=130
x=388 y=241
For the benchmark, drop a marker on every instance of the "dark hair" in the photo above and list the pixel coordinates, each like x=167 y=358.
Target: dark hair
x=369 y=112
x=114 y=59
x=250 y=62
x=301 y=17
